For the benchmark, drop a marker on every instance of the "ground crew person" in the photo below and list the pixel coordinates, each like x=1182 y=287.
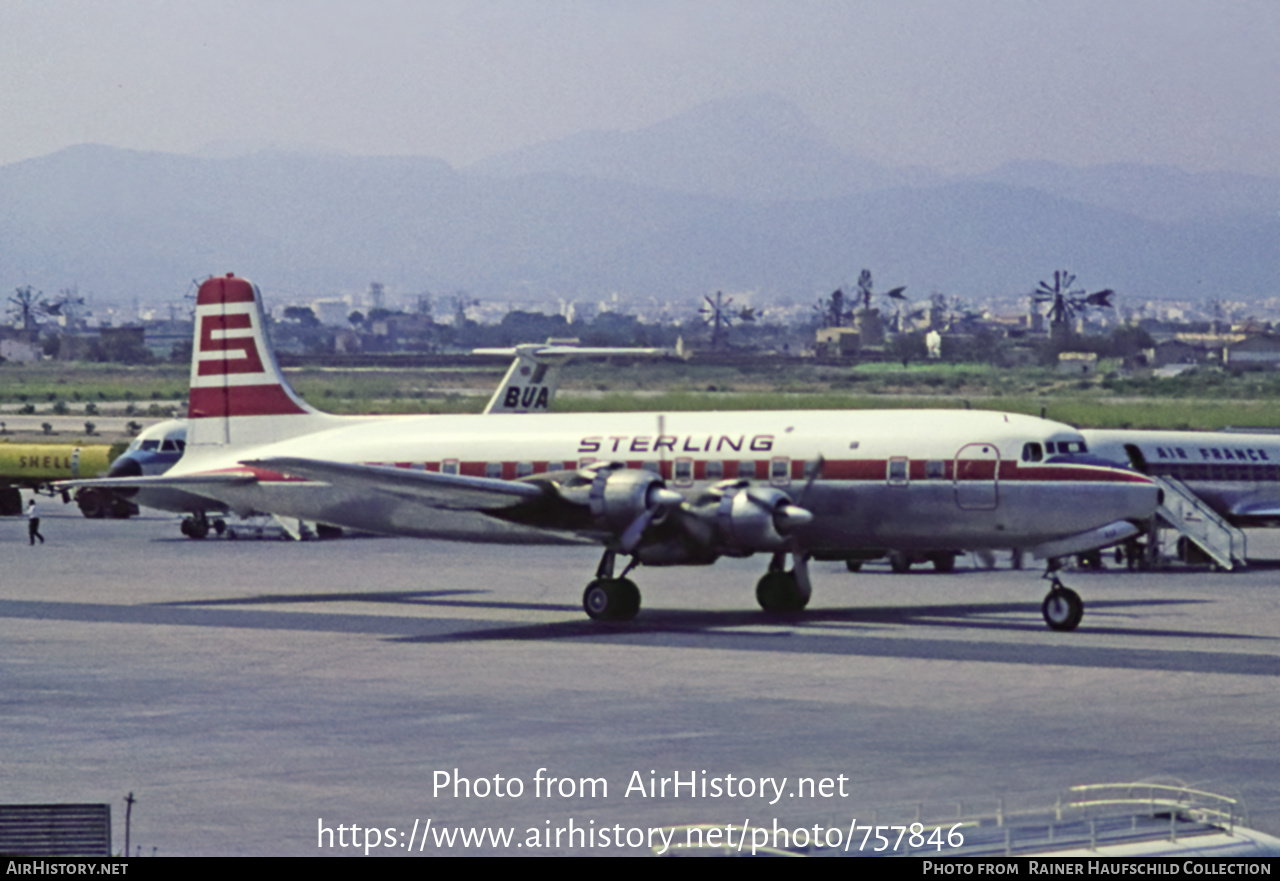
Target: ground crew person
x=33 y=523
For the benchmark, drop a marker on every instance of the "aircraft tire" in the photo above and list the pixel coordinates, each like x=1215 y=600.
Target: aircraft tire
x=900 y=562
x=778 y=593
x=91 y=503
x=1062 y=609
x=943 y=562
x=853 y=565
x=611 y=599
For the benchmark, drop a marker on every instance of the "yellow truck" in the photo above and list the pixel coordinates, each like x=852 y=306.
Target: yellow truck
x=33 y=466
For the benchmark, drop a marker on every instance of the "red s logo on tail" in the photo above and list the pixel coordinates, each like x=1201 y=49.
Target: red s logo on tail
x=251 y=362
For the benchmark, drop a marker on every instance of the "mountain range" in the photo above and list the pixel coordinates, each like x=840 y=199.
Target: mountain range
x=739 y=195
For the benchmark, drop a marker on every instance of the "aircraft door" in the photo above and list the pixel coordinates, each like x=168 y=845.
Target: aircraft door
x=976 y=475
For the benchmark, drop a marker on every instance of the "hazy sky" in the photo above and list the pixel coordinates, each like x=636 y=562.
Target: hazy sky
x=958 y=86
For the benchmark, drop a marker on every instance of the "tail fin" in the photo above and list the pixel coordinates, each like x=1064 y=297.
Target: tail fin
x=531 y=381
x=238 y=394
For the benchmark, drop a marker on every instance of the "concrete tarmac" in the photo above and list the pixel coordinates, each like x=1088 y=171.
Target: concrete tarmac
x=252 y=695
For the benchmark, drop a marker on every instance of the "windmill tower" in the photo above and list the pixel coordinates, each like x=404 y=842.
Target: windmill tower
x=1066 y=304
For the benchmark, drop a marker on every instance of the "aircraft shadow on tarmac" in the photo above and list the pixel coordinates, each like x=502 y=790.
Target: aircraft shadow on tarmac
x=878 y=631
x=812 y=633
x=846 y=622
x=991 y=616
x=662 y=620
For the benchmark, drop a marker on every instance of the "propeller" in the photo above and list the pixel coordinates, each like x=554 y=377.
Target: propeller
x=659 y=500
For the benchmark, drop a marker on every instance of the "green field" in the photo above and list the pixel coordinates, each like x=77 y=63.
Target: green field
x=1206 y=398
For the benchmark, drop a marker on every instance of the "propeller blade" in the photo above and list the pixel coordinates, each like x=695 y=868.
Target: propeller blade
x=814 y=474
x=658 y=501
x=697 y=526
x=632 y=534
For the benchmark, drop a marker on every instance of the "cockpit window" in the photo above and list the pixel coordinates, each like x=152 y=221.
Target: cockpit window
x=1065 y=448
x=1031 y=452
x=168 y=447
x=151 y=445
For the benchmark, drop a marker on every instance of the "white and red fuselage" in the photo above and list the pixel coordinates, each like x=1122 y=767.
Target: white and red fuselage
x=905 y=479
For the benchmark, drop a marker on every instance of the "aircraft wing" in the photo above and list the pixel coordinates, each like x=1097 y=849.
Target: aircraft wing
x=193 y=482
x=451 y=491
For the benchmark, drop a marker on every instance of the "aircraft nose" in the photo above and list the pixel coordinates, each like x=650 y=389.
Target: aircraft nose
x=125 y=466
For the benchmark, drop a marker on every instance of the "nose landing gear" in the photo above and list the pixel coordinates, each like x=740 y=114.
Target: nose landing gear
x=1062 y=608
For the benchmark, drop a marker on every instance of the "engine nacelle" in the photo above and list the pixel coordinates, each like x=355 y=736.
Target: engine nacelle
x=755 y=518
x=618 y=497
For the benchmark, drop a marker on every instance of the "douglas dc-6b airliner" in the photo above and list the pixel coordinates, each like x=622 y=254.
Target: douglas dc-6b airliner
x=658 y=489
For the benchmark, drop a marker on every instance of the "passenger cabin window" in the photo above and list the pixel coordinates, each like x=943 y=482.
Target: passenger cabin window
x=524 y=469
x=780 y=471
x=897 y=471
x=747 y=470
x=449 y=466
x=493 y=469
x=1031 y=452
x=683 y=472
x=651 y=466
x=935 y=469
x=715 y=470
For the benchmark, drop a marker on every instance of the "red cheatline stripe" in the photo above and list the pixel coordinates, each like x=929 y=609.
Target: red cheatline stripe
x=241 y=400
x=865 y=470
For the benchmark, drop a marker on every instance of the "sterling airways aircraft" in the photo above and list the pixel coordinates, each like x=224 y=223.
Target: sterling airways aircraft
x=671 y=489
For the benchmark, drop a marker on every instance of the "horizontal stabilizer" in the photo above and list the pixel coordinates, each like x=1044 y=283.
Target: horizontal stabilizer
x=540 y=353
x=450 y=491
x=534 y=375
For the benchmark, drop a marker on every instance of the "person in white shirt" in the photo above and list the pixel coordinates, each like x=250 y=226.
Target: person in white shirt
x=33 y=523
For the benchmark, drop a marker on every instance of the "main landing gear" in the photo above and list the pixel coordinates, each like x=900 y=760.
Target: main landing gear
x=608 y=598
x=197 y=526
x=780 y=591
x=1062 y=608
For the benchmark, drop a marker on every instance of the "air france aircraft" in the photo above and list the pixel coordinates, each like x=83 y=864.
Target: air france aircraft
x=1237 y=474
x=659 y=489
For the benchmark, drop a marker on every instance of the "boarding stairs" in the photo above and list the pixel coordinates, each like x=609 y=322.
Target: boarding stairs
x=1184 y=511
